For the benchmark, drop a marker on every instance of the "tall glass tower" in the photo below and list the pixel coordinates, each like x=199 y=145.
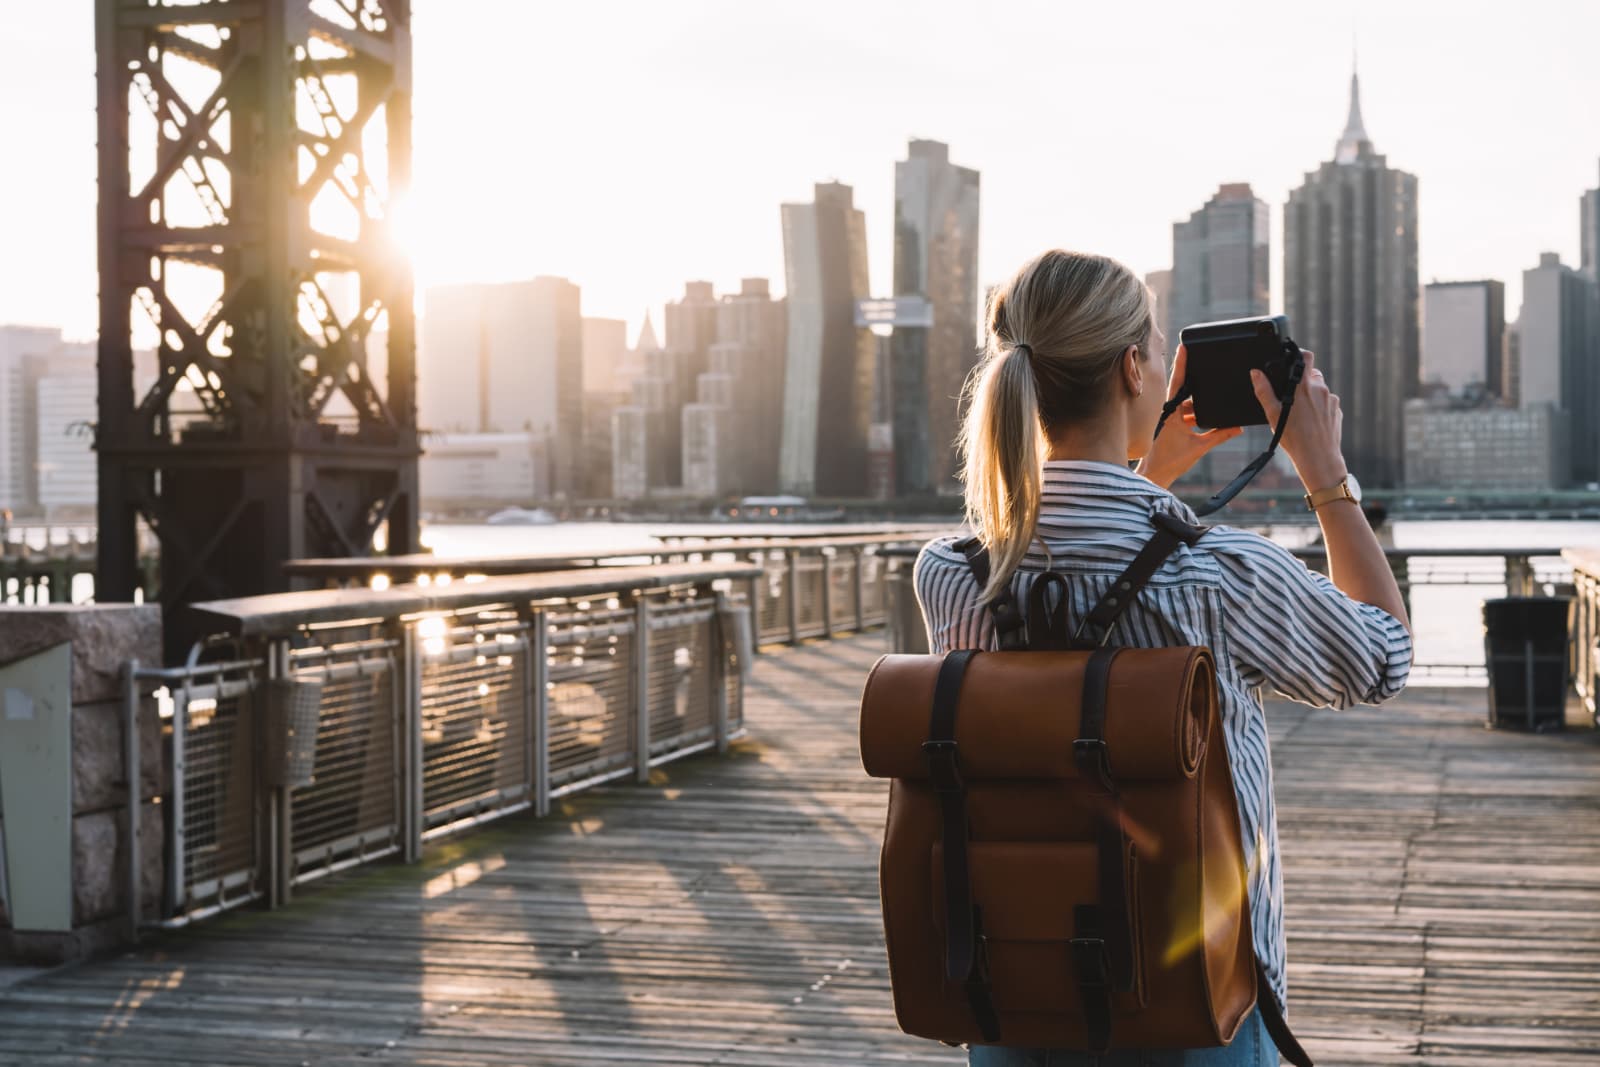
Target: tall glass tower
x=1351 y=291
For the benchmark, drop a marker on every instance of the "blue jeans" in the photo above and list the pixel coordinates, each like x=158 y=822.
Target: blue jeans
x=1252 y=1047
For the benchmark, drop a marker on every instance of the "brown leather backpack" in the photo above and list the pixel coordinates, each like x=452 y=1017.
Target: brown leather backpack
x=1062 y=864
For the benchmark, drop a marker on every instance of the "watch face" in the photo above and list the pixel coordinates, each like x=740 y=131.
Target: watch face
x=1354 y=486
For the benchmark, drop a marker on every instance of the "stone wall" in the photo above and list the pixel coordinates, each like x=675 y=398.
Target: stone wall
x=104 y=638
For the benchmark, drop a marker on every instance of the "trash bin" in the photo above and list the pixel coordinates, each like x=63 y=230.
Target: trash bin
x=1525 y=653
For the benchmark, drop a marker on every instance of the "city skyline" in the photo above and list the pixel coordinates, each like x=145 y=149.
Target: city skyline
x=483 y=211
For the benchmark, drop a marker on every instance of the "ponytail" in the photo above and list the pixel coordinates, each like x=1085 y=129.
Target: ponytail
x=1003 y=459
x=1055 y=334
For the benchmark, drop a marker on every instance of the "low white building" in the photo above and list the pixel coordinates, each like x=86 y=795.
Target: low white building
x=483 y=468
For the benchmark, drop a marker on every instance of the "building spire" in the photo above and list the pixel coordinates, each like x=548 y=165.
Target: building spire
x=1355 y=132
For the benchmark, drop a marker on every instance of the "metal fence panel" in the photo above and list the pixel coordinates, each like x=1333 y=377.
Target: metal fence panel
x=842 y=591
x=475 y=723
x=589 y=687
x=809 y=585
x=874 y=584
x=215 y=818
x=680 y=673
x=351 y=809
x=772 y=609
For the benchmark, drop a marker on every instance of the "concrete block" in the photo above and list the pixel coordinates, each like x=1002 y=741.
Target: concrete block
x=154 y=773
x=104 y=637
x=97 y=861
x=99 y=779
x=99 y=774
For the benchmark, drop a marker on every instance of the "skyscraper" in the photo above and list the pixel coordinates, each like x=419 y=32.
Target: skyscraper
x=1463 y=336
x=1589 y=220
x=1219 y=261
x=506 y=358
x=1559 y=324
x=752 y=332
x=605 y=351
x=827 y=395
x=935 y=258
x=1350 y=289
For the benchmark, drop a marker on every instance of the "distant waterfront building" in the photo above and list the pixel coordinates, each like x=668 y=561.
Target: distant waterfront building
x=935 y=258
x=1559 y=354
x=1351 y=291
x=1220 y=261
x=480 y=470
x=1159 y=282
x=827 y=395
x=1450 y=446
x=18 y=346
x=1464 y=336
x=605 y=355
x=65 y=389
x=1589 y=243
x=630 y=470
x=752 y=336
x=506 y=358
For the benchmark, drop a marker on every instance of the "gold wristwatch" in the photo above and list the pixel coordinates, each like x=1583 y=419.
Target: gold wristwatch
x=1347 y=489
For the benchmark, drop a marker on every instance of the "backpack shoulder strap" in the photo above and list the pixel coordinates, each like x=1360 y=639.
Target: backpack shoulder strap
x=1008 y=621
x=1170 y=533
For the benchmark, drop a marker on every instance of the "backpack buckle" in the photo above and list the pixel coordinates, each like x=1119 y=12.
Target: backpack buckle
x=1093 y=759
x=1090 y=961
x=944 y=769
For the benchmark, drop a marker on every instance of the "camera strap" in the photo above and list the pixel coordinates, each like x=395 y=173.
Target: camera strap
x=1285 y=400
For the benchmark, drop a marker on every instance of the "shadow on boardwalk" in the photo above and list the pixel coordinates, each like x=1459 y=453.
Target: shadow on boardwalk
x=1443 y=888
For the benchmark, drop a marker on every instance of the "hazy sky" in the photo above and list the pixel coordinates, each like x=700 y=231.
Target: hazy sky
x=631 y=146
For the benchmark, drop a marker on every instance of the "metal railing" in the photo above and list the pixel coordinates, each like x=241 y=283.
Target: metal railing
x=810 y=587
x=432 y=709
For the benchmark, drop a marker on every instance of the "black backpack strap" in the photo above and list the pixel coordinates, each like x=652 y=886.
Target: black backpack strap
x=1093 y=760
x=1048 y=629
x=1171 y=532
x=964 y=958
x=1008 y=622
x=1088 y=946
x=1277 y=1025
x=1220 y=499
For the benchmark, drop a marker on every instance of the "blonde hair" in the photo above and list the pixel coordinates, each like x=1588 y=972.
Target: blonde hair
x=1055 y=334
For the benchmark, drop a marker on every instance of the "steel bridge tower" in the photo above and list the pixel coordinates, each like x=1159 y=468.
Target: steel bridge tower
x=257 y=381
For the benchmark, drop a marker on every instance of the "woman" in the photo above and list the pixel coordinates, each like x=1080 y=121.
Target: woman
x=1067 y=394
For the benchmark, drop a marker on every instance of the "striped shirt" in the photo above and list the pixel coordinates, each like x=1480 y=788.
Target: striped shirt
x=1268 y=620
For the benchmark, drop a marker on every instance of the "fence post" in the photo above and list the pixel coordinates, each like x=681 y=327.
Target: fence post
x=858 y=589
x=720 y=640
x=1519 y=576
x=130 y=750
x=411 y=744
x=792 y=593
x=827 y=591
x=539 y=683
x=175 y=815
x=641 y=685
x=281 y=843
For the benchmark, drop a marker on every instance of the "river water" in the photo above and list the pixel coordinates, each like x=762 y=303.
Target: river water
x=1447 y=616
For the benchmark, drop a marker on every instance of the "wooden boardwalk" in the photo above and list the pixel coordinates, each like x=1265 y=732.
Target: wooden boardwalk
x=1443 y=887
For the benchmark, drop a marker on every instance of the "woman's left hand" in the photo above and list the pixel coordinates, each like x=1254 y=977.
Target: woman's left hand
x=1179 y=445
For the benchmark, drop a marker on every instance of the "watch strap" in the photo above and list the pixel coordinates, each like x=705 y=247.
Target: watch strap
x=1319 y=497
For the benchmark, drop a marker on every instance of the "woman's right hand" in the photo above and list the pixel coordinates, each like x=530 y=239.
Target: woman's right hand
x=1315 y=424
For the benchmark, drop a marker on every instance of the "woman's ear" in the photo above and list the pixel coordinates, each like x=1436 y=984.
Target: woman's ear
x=1133 y=371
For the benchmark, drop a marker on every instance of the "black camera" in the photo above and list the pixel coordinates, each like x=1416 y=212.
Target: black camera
x=1221 y=356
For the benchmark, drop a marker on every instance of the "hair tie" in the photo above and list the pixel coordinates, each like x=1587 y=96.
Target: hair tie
x=1023 y=346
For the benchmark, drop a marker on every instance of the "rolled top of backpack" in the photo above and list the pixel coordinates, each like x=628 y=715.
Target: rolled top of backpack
x=1020 y=712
